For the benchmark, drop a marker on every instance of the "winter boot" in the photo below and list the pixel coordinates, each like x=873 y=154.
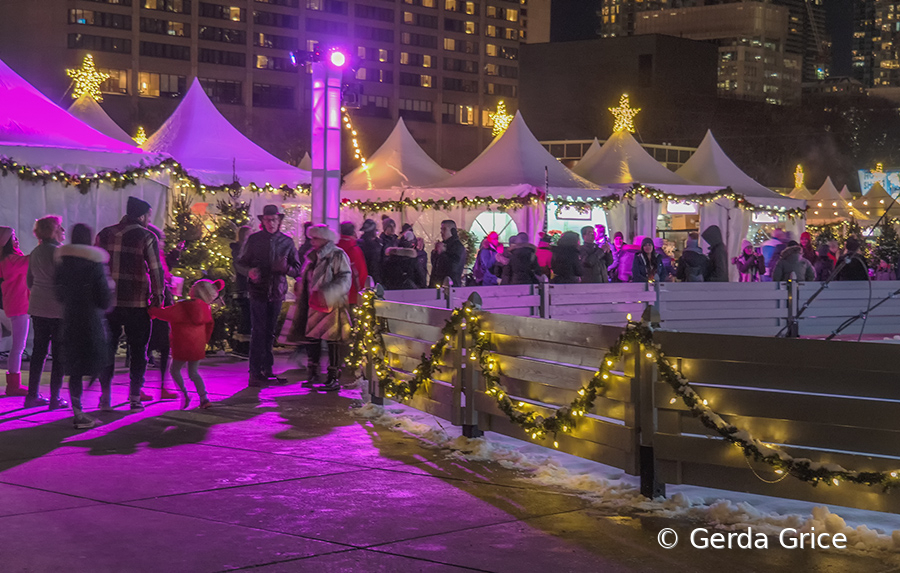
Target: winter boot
x=14 y=385
x=333 y=383
x=314 y=375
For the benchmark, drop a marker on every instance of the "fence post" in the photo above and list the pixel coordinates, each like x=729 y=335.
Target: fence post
x=544 y=291
x=645 y=374
x=447 y=288
x=469 y=381
x=793 y=298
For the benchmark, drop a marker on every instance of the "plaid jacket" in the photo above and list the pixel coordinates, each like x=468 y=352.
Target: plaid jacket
x=133 y=263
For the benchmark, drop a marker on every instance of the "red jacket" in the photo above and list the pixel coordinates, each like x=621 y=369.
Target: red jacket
x=192 y=325
x=13 y=271
x=357 y=265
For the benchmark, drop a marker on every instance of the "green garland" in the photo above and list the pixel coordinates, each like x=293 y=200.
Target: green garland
x=510 y=204
x=121 y=179
x=367 y=342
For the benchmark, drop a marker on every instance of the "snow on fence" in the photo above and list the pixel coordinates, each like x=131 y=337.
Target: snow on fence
x=831 y=402
x=758 y=309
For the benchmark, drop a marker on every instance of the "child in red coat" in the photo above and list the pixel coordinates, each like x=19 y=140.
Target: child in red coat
x=192 y=325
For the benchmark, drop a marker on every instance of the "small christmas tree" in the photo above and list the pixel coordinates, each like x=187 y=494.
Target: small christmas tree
x=886 y=247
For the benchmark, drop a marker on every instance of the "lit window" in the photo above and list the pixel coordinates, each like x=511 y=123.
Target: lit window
x=382 y=55
x=471 y=28
x=450 y=44
x=427 y=81
x=235 y=13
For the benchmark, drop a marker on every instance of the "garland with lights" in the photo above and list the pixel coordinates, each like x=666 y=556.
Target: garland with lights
x=510 y=204
x=367 y=342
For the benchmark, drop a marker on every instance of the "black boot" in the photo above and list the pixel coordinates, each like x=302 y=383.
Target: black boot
x=314 y=375
x=333 y=384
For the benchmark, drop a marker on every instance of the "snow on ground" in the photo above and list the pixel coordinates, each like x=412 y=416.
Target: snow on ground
x=611 y=489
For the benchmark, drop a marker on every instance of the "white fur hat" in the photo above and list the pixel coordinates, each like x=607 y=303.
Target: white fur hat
x=322 y=232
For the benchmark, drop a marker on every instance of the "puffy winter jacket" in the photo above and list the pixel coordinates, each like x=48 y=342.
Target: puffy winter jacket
x=792 y=261
x=192 y=325
x=523 y=266
x=692 y=267
x=401 y=269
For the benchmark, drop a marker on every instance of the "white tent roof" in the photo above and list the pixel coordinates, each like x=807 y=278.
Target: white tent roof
x=845 y=194
x=800 y=193
x=209 y=148
x=89 y=111
x=399 y=162
x=593 y=150
x=36 y=132
x=710 y=166
x=877 y=201
x=513 y=165
x=306 y=162
x=828 y=205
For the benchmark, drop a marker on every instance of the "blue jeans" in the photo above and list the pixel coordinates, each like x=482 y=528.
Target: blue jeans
x=263 y=321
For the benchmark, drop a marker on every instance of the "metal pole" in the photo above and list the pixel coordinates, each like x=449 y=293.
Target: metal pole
x=326 y=143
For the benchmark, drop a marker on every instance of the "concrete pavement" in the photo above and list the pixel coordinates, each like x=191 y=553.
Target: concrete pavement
x=286 y=479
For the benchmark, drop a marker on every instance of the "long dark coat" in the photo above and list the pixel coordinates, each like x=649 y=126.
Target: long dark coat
x=82 y=286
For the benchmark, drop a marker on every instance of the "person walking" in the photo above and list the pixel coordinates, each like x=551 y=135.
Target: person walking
x=323 y=306
x=192 y=325
x=46 y=313
x=83 y=287
x=448 y=260
x=566 y=262
x=268 y=258
x=717 y=272
x=138 y=276
x=595 y=258
x=370 y=245
x=14 y=287
x=241 y=297
x=349 y=245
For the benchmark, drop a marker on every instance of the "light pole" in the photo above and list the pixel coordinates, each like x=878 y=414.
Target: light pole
x=327 y=80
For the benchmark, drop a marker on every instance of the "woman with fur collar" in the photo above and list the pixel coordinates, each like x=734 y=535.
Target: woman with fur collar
x=400 y=266
x=322 y=292
x=82 y=285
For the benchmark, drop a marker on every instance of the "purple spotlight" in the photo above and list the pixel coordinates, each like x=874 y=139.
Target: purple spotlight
x=338 y=59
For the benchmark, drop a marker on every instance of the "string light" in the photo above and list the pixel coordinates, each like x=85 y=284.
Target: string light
x=357 y=151
x=624 y=115
x=500 y=119
x=141 y=137
x=87 y=79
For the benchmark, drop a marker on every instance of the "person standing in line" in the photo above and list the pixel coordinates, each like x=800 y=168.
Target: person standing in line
x=241 y=297
x=83 y=287
x=14 y=287
x=138 y=276
x=422 y=261
x=323 y=306
x=595 y=258
x=449 y=256
x=46 y=313
x=268 y=258
x=717 y=272
x=192 y=325
x=370 y=245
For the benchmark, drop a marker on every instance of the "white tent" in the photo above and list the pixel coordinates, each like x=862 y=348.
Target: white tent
x=37 y=134
x=801 y=193
x=845 y=194
x=709 y=165
x=209 y=148
x=398 y=164
x=828 y=206
x=306 y=162
x=89 y=111
x=876 y=202
x=589 y=154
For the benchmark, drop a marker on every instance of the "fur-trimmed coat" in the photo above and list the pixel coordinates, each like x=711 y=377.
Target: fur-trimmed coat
x=401 y=269
x=325 y=281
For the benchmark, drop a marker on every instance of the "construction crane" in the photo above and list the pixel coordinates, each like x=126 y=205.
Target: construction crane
x=821 y=52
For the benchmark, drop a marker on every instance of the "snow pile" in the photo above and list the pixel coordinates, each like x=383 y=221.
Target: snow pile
x=610 y=489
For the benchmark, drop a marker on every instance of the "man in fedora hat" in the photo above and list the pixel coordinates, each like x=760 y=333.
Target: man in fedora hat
x=268 y=257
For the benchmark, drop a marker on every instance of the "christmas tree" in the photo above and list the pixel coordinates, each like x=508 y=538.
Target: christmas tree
x=886 y=247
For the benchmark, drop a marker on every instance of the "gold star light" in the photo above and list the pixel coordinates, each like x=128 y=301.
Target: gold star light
x=798 y=177
x=87 y=79
x=624 y=115
x=500 y=118
x=141 y=136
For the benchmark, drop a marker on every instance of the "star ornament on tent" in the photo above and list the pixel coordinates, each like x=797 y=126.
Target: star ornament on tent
x=624 y=115
x=87 y=79
x=500 y=119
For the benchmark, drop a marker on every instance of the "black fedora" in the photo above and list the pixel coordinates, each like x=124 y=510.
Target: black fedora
x=270 y=210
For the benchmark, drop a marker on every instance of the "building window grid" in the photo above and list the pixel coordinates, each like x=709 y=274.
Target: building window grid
x=99 y=43
x=224 y=35
x=165 y=27
x=152 y=84
x=116 y=83
x=223 y=91
x=174 y=6
x=100 y=19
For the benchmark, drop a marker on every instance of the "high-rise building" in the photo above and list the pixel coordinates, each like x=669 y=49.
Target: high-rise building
x=876 y=43
x=752 y=39
x=443 y=65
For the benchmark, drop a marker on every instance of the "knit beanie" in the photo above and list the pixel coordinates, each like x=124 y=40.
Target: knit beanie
x=136 y=208
x=207 y=290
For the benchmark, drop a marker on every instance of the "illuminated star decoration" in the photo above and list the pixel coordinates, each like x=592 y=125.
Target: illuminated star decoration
x=87 y=79
x=141 y=136
x=879 y=168
x=798 y=177
x=500 y=119
x=624 y=115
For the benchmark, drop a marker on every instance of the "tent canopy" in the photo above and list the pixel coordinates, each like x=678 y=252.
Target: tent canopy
x=399 y=162
x=710 y=166
x=828 y=205
x=800 y=193
x=89 y=111
x=209 y=148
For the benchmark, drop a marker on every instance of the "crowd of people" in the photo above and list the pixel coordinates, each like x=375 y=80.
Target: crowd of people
x=81 y=296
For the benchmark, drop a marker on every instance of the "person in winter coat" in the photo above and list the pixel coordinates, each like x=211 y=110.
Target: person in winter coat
x=389 y=236
x=717 y=272
x=627 y=254
x=349 y=245
x=595 y=259
x=692 y=267
x=884 y=272
x=192 y=325
x=46 y=313
x=370 y=245
x=268 y=258
x=792 y=261
x=647 y=265
x=856 y=269
x=401 y=265
x=323 y=306
x=544 y=255
x=809 y=251
x=618 y=246
x=566 y=263
x=751 y=265
x=83 y=287
x=485 y=269
x=449 y=256
x=668 y=269
x=523 y=265
x=824 y=264
x=422 y=258
x=13 y=274
x=241 y=296
x=771 y=250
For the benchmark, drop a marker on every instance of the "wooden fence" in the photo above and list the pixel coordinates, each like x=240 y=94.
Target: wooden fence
x=758 y=309
x=831 y=402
